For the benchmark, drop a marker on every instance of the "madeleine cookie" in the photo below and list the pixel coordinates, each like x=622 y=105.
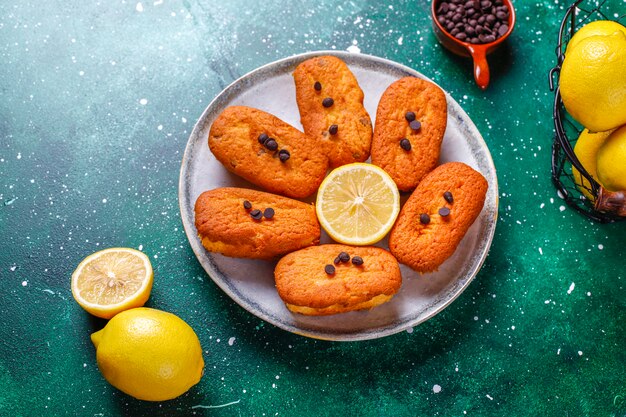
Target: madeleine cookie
x=246 y=223
x=330 y=279
x=331 y=109
x=410 y=123
x=267 y=152
x=437 y=215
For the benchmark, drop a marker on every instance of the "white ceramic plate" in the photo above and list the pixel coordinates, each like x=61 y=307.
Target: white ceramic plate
x=250 y=283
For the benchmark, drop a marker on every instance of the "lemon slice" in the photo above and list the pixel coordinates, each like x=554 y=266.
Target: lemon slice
x=357 y=204
x=112 y=280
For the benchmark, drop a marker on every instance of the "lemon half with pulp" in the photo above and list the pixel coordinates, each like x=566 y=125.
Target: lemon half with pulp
x=112 y=280
x=357 y=204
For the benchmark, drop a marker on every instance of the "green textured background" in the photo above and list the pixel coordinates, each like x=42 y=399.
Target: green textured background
x=97 y=101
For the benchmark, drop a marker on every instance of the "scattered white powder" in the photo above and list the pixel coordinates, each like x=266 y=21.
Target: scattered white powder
x=600 y=246
x=139 y=7
x=436 y=389
x=24 y=283
x=562 y=208
x=571 y=288
x=143 y=101
x=231 y=341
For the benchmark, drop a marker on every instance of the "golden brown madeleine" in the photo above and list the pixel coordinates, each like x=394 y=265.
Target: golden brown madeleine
x=437 y=215
x=410 y=123
x=330 y=279
x=331 y=109
x=267 y=152
x=246 y=223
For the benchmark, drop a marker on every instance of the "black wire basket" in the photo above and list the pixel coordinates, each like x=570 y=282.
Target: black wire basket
x=596 y=202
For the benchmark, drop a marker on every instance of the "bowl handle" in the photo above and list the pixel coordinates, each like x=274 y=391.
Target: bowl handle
x=481 y=67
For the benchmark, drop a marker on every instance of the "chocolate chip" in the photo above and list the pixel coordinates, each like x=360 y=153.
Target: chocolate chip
x=424 y=218
x=415 y=125
x=317 y=86
x=357 y=260
x=344 y=257
x=329 y=269
x=461 y=36
x=268 y=213
x=263 y=138
x=256 y=214
x=328 y=102
x=271 y=144
x=337 y=261
x=448 y=197
x=409 y=116
x=405 y=144
x=247 y=205
x=333 y=129
x=444 y=211
x=283 y=155
x=466 y=20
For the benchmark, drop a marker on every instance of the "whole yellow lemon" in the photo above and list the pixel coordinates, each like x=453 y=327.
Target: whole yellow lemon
x=593 y=81
x=611 y=161
x=598 y=27
x=149 y=354
x=586 y=150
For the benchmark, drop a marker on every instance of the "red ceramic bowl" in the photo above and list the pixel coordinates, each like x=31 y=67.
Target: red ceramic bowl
x=478 y=52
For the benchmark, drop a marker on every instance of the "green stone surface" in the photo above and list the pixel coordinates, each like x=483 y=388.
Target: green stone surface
x=97 y=102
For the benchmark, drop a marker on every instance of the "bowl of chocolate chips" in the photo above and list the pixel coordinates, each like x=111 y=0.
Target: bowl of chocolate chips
x=473 y=28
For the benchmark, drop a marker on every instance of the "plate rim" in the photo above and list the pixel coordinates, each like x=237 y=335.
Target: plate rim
x=369 y=334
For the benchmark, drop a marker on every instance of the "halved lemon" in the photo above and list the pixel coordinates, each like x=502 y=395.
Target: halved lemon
x=112 y=280
x=357 y=204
